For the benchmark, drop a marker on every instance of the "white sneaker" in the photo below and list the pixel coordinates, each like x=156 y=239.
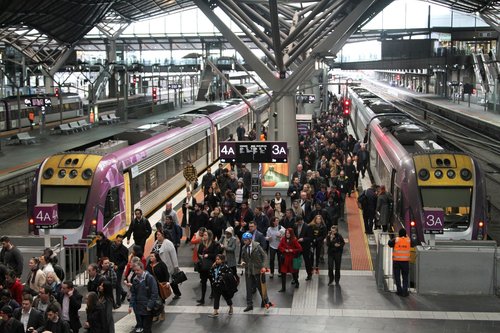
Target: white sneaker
x=139 y=330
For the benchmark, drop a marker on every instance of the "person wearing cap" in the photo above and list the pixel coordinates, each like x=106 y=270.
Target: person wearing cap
x=246 y=177
x=228 y=246
x=190 y=175
x=241 y=193
x=9 y=323
x=253 y=258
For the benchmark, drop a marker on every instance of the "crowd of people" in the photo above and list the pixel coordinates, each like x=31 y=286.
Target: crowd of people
x=222 y=230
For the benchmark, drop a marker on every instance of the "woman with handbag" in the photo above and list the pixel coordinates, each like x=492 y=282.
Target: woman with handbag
x=206 y=257
x=223 y=284
x=159 y=270
x=166 y=249
x=290 y=248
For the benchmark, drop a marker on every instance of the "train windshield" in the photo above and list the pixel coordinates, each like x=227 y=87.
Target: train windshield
x=456 y=203
x=70 y=201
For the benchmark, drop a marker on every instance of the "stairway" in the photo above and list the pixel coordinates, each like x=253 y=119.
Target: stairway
x=206 y=80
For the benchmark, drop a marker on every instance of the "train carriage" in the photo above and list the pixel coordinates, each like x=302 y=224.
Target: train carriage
x=98 y=188
x=422 y=175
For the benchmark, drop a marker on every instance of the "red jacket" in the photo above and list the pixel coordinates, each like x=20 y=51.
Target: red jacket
x=16 y=291
x=294 y=248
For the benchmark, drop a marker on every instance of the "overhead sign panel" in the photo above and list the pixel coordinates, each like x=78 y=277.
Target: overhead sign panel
x=253 y=151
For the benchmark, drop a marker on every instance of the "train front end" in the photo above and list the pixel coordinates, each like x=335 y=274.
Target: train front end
x=452 y=194
x=61 y=196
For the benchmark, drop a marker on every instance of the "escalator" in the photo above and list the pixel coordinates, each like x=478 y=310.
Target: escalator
x=206 y=80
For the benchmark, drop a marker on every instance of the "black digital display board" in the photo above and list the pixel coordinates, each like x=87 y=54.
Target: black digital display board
x=253 y=152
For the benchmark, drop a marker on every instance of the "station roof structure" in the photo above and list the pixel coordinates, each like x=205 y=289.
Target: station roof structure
x=47 y=31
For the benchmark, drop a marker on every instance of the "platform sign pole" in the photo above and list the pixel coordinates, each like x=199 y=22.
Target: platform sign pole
x=256 y=194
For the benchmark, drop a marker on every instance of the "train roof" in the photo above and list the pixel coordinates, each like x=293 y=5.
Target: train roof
x=149 y=130
x=209 y=109
x=406 y=131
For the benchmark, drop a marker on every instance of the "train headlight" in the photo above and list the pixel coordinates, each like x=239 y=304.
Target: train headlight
x=62 y=173
x=423 y=174
x=68 y=161
x=48 y=173
x=438 y=174
x=450 y=174
x=439 y=162
x=466 y=174
x=73 y=174
x=87 y=174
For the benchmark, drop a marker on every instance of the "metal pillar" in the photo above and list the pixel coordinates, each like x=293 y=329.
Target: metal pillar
x=286 y=124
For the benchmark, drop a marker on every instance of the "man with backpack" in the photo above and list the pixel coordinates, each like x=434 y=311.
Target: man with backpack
x=367 y=201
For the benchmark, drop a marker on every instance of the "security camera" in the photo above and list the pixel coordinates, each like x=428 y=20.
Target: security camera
x=275 y=114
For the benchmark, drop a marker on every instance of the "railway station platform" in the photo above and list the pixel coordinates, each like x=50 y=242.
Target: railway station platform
x=356 y=305
x=473 y=115
x=19 y=157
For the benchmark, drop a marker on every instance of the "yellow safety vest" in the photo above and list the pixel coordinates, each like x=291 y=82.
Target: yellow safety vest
x=401 y=251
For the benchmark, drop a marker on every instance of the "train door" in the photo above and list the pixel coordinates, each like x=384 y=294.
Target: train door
x=128 y=197
x=394 y=190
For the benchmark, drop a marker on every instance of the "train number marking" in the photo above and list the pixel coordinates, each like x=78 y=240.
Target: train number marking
x=46 y=217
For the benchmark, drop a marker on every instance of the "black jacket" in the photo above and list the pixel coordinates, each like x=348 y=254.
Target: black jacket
x=103 y=248
x=119 y=256
x=60 y=327
x=35 y=319
x=12 y=326
x=97 y=320
x=306 y=234
x=140 y=228
x=75 y=303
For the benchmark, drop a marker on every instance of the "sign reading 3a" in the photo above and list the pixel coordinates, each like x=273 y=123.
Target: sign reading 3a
x=253 y=152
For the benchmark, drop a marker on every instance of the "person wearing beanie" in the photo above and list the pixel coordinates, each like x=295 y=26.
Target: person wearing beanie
x=228 y=245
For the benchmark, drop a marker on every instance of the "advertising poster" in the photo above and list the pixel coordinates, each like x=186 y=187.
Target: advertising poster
x=274 y=175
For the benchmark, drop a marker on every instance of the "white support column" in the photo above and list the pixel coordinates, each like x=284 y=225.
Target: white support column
x=286 y=124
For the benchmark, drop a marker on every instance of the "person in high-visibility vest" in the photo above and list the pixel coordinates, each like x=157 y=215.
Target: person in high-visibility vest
x=400 y=261
x=31 y=118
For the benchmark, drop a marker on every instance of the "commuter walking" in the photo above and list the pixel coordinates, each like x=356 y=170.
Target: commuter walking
x=367 y=201
x=207 y=251
x=228 y=245
x=274 y=234
x=290 y=249
x=400 y=261
x=383 y=210
x=11 y=256
x=253 y=259
x=141 y=228
x=224 y=283
x=335 y=245
x=144 y=298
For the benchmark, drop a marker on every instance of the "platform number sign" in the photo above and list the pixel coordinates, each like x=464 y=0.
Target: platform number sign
x=434 y=220
x=253 y=152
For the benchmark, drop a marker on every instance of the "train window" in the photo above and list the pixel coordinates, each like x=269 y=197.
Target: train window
x=139 y=186
x=112 y=205
x=71 y=202
x=161 y=173
x=170 y=166
x=455 y=202
x=151 y=180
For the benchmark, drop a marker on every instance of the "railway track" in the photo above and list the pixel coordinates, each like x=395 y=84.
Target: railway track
x=12 y=209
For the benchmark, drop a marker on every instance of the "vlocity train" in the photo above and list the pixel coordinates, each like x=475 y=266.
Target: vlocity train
x=98 y=188
x=427 y=180
x=9 y=112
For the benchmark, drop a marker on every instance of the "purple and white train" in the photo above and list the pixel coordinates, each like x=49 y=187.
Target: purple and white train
x=77 y=193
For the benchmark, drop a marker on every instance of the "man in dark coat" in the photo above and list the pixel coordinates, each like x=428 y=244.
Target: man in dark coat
x=119 y=257
x=11 y=256
x=71 y=301
x=304 y=237
x=35 y=317
x=368 y=203
x=9 y=324
x=141 y=228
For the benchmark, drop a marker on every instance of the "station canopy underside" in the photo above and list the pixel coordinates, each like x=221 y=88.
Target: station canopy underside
x=46 y=31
